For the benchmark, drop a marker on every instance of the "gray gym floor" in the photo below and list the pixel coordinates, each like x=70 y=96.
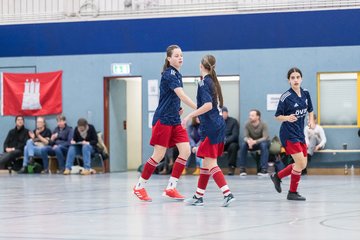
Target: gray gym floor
x=102 y=206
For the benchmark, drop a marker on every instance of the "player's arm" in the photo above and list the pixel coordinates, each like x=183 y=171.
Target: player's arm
x=311 y=120
x=184 y=98
x=201 y=110
x=287 y=118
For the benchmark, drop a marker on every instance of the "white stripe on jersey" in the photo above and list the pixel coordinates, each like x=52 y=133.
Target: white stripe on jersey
x=201 y=83
x=284 y=96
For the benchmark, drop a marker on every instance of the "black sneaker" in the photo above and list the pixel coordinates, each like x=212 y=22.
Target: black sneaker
x=242 y=172
x=195 y=201
x=227 y=200
x=262 y=173
x=231 y=171
x=22 y=170
x=277 y=182
x=295 y=196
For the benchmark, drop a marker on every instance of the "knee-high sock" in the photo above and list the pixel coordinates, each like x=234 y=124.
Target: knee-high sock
x=286 y=171
x=202 y=182
x=295 y=179
x=219 y=179
x=178 y=167
x=148 y=170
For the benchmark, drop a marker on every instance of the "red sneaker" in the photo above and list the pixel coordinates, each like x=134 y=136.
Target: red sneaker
x=142 y=194
x=173 y=193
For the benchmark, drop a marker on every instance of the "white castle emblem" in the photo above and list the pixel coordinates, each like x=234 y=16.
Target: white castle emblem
x=31 y=97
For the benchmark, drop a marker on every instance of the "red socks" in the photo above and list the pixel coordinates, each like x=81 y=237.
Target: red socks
x=203 y=182
x=149 y=168
x=220 y=180
x=286 y=171
x=295 y=179
x=178 y=167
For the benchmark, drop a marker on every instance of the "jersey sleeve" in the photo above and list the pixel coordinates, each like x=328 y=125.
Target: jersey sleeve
x=309 y=102
x=205 y=93
x=280 y=108
x=173 y=80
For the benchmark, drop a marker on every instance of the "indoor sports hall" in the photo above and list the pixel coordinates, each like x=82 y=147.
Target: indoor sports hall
x=91 y=68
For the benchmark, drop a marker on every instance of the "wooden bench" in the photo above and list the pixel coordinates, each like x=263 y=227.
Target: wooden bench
x=334 y=151
x=334 y=155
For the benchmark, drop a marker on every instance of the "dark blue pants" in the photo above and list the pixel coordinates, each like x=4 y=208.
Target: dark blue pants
x=264 y=157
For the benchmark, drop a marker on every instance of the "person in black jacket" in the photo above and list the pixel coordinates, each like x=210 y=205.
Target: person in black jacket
x=83 y=143
x=231 y=140
x=14 y=143
x=34 y=147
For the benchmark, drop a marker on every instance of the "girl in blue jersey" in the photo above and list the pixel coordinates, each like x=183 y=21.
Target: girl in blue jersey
x=212 y=129
x=292 y=109
x=167 y=130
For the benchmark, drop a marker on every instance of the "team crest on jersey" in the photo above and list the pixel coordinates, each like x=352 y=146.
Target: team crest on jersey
x=172 y=72
x=201 y=83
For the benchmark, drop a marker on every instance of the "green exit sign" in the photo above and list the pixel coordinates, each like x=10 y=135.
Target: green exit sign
x=120 y=68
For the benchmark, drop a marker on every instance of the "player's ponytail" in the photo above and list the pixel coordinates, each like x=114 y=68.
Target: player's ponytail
x=209 y=62
x=169 y=52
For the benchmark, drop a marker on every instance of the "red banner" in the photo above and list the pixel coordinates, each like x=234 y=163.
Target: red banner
x=32 y=94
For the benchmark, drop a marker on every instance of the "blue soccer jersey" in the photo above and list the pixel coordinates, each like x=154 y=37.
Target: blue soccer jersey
x=291 y=103
x=212 y=124
x=169 y=103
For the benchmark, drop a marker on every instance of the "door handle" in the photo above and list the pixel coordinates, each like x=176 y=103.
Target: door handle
x=124 y=124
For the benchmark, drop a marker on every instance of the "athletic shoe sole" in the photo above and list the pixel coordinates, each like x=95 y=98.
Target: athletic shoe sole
x=226 y=204
x=167 y=196
x=189 y=202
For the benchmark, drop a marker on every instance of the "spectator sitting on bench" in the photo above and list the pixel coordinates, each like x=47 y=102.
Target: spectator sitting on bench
x=60 y=142
x=84 y=142
x=256 y=138
x=14 y=143
x=35 y=146
x=231 y=139
x=315 y=140
x=194 y=136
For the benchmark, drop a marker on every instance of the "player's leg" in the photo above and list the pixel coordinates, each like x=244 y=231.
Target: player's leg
x=179 y=166
x=149 y=168
x=179 y=137
x=197 y=199
x=300 y=164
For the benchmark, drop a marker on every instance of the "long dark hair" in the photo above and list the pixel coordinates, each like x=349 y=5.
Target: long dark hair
x=169 y=52
x=208 y=63
x=293 y=70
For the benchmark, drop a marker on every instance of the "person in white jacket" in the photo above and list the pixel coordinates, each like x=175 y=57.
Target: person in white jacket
x=315 y=139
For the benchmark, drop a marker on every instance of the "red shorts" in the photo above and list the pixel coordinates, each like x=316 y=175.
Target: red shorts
x=297 y=147
x=206 y=149
x=168 y=136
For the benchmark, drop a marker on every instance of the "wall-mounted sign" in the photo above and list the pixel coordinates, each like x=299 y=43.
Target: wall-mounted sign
x=272 y=101
x=120 y=69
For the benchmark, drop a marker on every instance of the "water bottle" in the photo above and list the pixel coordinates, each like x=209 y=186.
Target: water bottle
x=346 y=169
x=352 y=170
